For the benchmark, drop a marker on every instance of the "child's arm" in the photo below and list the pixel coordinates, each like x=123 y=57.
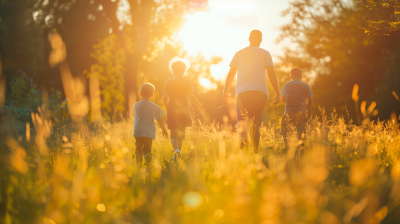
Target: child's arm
x=132 y=115
x=309 y=96
x=165 y=99
x=195 y=101
x=162 y=125
x=309 y=103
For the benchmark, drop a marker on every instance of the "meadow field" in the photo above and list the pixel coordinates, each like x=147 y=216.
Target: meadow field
x=71 y=72
x=84 y=173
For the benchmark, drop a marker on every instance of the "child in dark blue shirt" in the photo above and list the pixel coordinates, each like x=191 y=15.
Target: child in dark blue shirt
x=297 y=96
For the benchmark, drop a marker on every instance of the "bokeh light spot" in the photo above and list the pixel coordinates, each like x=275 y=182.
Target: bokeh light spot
x=192 y=199
x=101 y=207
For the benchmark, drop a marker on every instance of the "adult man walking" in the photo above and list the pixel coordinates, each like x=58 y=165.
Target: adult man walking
x=250 y=64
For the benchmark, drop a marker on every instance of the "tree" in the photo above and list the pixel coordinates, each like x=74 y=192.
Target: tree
x=389 y=24
x=19 y=47
x=109 y=71
x=154 y=24
x=25 y=26
x=330 y=36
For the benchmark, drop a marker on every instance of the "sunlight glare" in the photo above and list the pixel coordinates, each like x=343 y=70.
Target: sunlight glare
x=214 y=33
x=224 y=29
x=232 y=8
x=206 y=34
x=200 y=32
x=123 y=12
x=207 y=83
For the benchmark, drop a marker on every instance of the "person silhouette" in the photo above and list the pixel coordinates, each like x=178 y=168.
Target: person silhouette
x=250 y=64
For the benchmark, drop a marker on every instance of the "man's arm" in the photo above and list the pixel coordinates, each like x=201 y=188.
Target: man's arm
x=228 y=83
x=162 y=125
x=275 y=84
x=195 y=101
x=165 y=99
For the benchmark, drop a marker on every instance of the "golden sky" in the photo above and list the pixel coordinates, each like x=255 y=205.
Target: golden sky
x=225 y=27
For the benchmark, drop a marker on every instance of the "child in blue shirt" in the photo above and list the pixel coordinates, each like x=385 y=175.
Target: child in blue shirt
x=144 y=129
x=297 y=96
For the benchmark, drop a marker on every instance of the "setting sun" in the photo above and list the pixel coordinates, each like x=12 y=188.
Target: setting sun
x=206 y=34
x=225 y=27
x=213 y=33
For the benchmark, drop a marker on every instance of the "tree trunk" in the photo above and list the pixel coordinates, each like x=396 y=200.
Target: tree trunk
x=131 y=85
x=141 y=14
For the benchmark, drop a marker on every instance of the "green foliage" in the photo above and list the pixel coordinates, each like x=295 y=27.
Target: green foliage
x=109 y=69
x=25 y=25
x=333 y=47
x=155 y=25
x=387 y=23
x=390 y=90
x=19 y=89
x=377 y=4
x=24 y=99
x=22 y=45
x=382 y=27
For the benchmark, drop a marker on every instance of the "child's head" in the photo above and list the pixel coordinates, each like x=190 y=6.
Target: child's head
x=177 y=66
x=147 y=90
x=296 y=74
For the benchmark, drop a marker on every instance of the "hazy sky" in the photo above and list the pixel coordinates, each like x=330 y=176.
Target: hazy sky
x=225 y=28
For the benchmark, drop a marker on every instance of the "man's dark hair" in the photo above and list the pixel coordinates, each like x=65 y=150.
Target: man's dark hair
x=296 y=73
x=147 y=89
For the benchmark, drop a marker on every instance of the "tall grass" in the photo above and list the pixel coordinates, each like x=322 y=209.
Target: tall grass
x=342 y=173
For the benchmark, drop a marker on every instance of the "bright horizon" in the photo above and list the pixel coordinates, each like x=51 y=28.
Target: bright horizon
x=225 y=27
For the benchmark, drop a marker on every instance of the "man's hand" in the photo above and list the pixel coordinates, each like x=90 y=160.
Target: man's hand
x=165 y=133
x=226 y=96
x=275 y=84
x=277 y=99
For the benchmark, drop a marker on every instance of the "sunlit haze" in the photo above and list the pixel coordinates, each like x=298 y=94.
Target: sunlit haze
x=225 y=27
